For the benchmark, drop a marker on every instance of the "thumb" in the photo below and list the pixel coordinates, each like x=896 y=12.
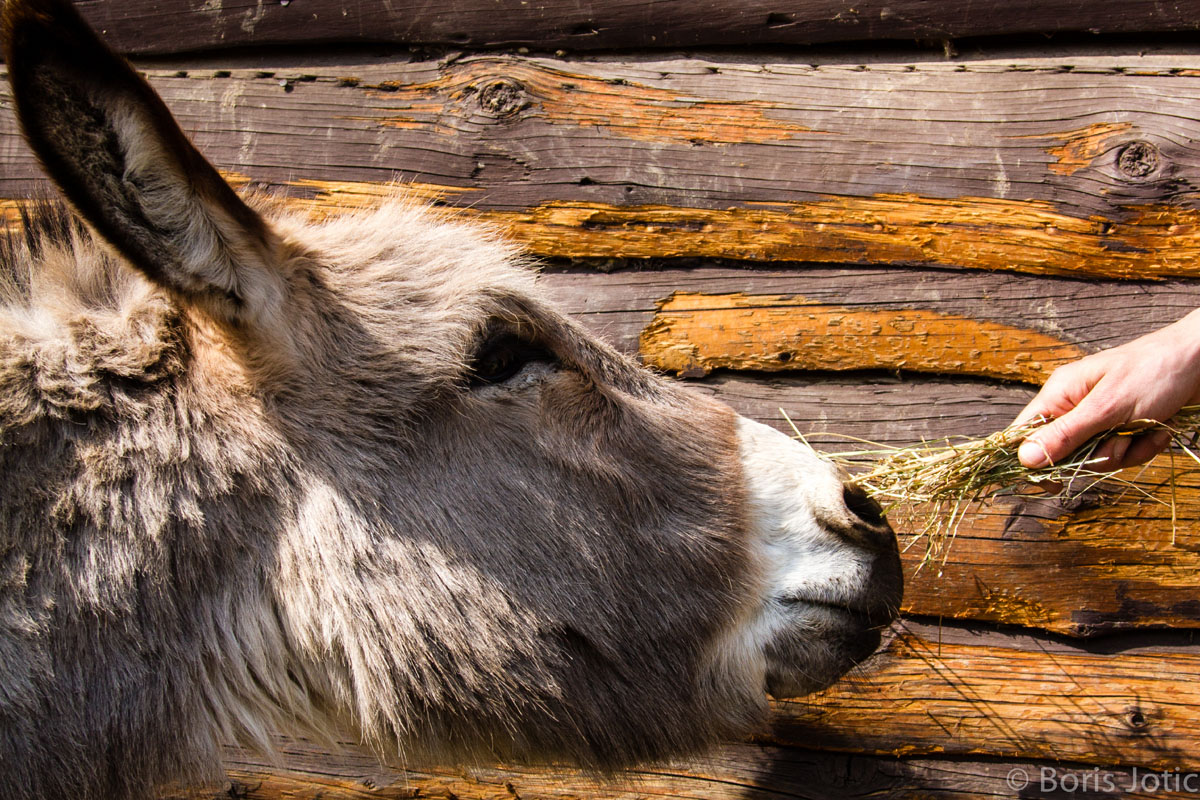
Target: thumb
x=1033 y=455
x=1055 y=441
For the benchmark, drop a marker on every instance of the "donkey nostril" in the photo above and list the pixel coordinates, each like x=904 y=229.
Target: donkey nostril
x=862 y=505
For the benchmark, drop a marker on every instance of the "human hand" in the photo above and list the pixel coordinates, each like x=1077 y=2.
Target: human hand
x=1151 y=377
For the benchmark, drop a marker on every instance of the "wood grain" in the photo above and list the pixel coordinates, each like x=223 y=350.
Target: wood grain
x=142 y=26
x=969 y=232
x=1113 y=559
x=741 y=771
x=958 y=691
x=1088 y=168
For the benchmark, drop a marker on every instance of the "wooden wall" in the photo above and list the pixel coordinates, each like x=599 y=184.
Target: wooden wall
x=886 y=239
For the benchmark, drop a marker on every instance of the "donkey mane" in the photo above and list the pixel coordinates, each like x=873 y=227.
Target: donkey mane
x=53 y=248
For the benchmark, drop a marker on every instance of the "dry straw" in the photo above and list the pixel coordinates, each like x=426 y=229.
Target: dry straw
x=937 y=482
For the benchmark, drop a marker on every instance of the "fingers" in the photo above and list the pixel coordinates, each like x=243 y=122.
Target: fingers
x=1151 y=377
x=1042 y=407
x=1066 y=387
x=1144 y=448
x=1034 y=412
x=1050 y=444
x=1055 y=443
x=1111 y=452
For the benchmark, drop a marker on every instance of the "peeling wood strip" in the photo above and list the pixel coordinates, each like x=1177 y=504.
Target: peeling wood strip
x=966 y=232
x=692 y=334
x=618 y=305
x=323 y=199
x=1079 y=148
x=10 y=214
x=569 y=97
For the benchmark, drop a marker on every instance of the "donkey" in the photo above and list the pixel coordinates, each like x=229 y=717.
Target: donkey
x=358 y=479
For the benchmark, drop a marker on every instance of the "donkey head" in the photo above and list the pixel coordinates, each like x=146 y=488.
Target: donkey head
x=357 y=477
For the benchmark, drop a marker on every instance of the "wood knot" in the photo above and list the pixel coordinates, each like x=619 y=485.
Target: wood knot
x=1138 y=160
x=503 y=98
x=1136 y=720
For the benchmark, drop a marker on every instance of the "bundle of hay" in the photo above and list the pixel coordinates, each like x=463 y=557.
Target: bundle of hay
x=937 y=482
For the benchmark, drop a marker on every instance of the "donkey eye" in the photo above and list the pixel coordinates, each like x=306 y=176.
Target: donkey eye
x=502 y=357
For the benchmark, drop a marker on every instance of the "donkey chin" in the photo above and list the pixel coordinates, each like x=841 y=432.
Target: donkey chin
x=832 y=576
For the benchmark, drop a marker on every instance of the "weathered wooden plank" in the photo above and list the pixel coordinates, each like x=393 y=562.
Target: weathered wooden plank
x=1030 y=166
x=957 y=691
x=928 y=320
x=147 y=27
x=743 y=771
x=894 y=411
x=1090 y=566
x=976 y=233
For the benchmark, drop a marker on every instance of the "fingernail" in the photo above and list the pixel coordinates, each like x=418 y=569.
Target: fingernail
x=1032 y=455
x=1120 y=447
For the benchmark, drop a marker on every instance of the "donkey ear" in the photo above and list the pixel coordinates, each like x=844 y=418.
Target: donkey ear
x=111 y=145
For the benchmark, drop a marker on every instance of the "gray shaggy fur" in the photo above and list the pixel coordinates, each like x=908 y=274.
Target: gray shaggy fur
x=367 y=546
x=343 y=479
